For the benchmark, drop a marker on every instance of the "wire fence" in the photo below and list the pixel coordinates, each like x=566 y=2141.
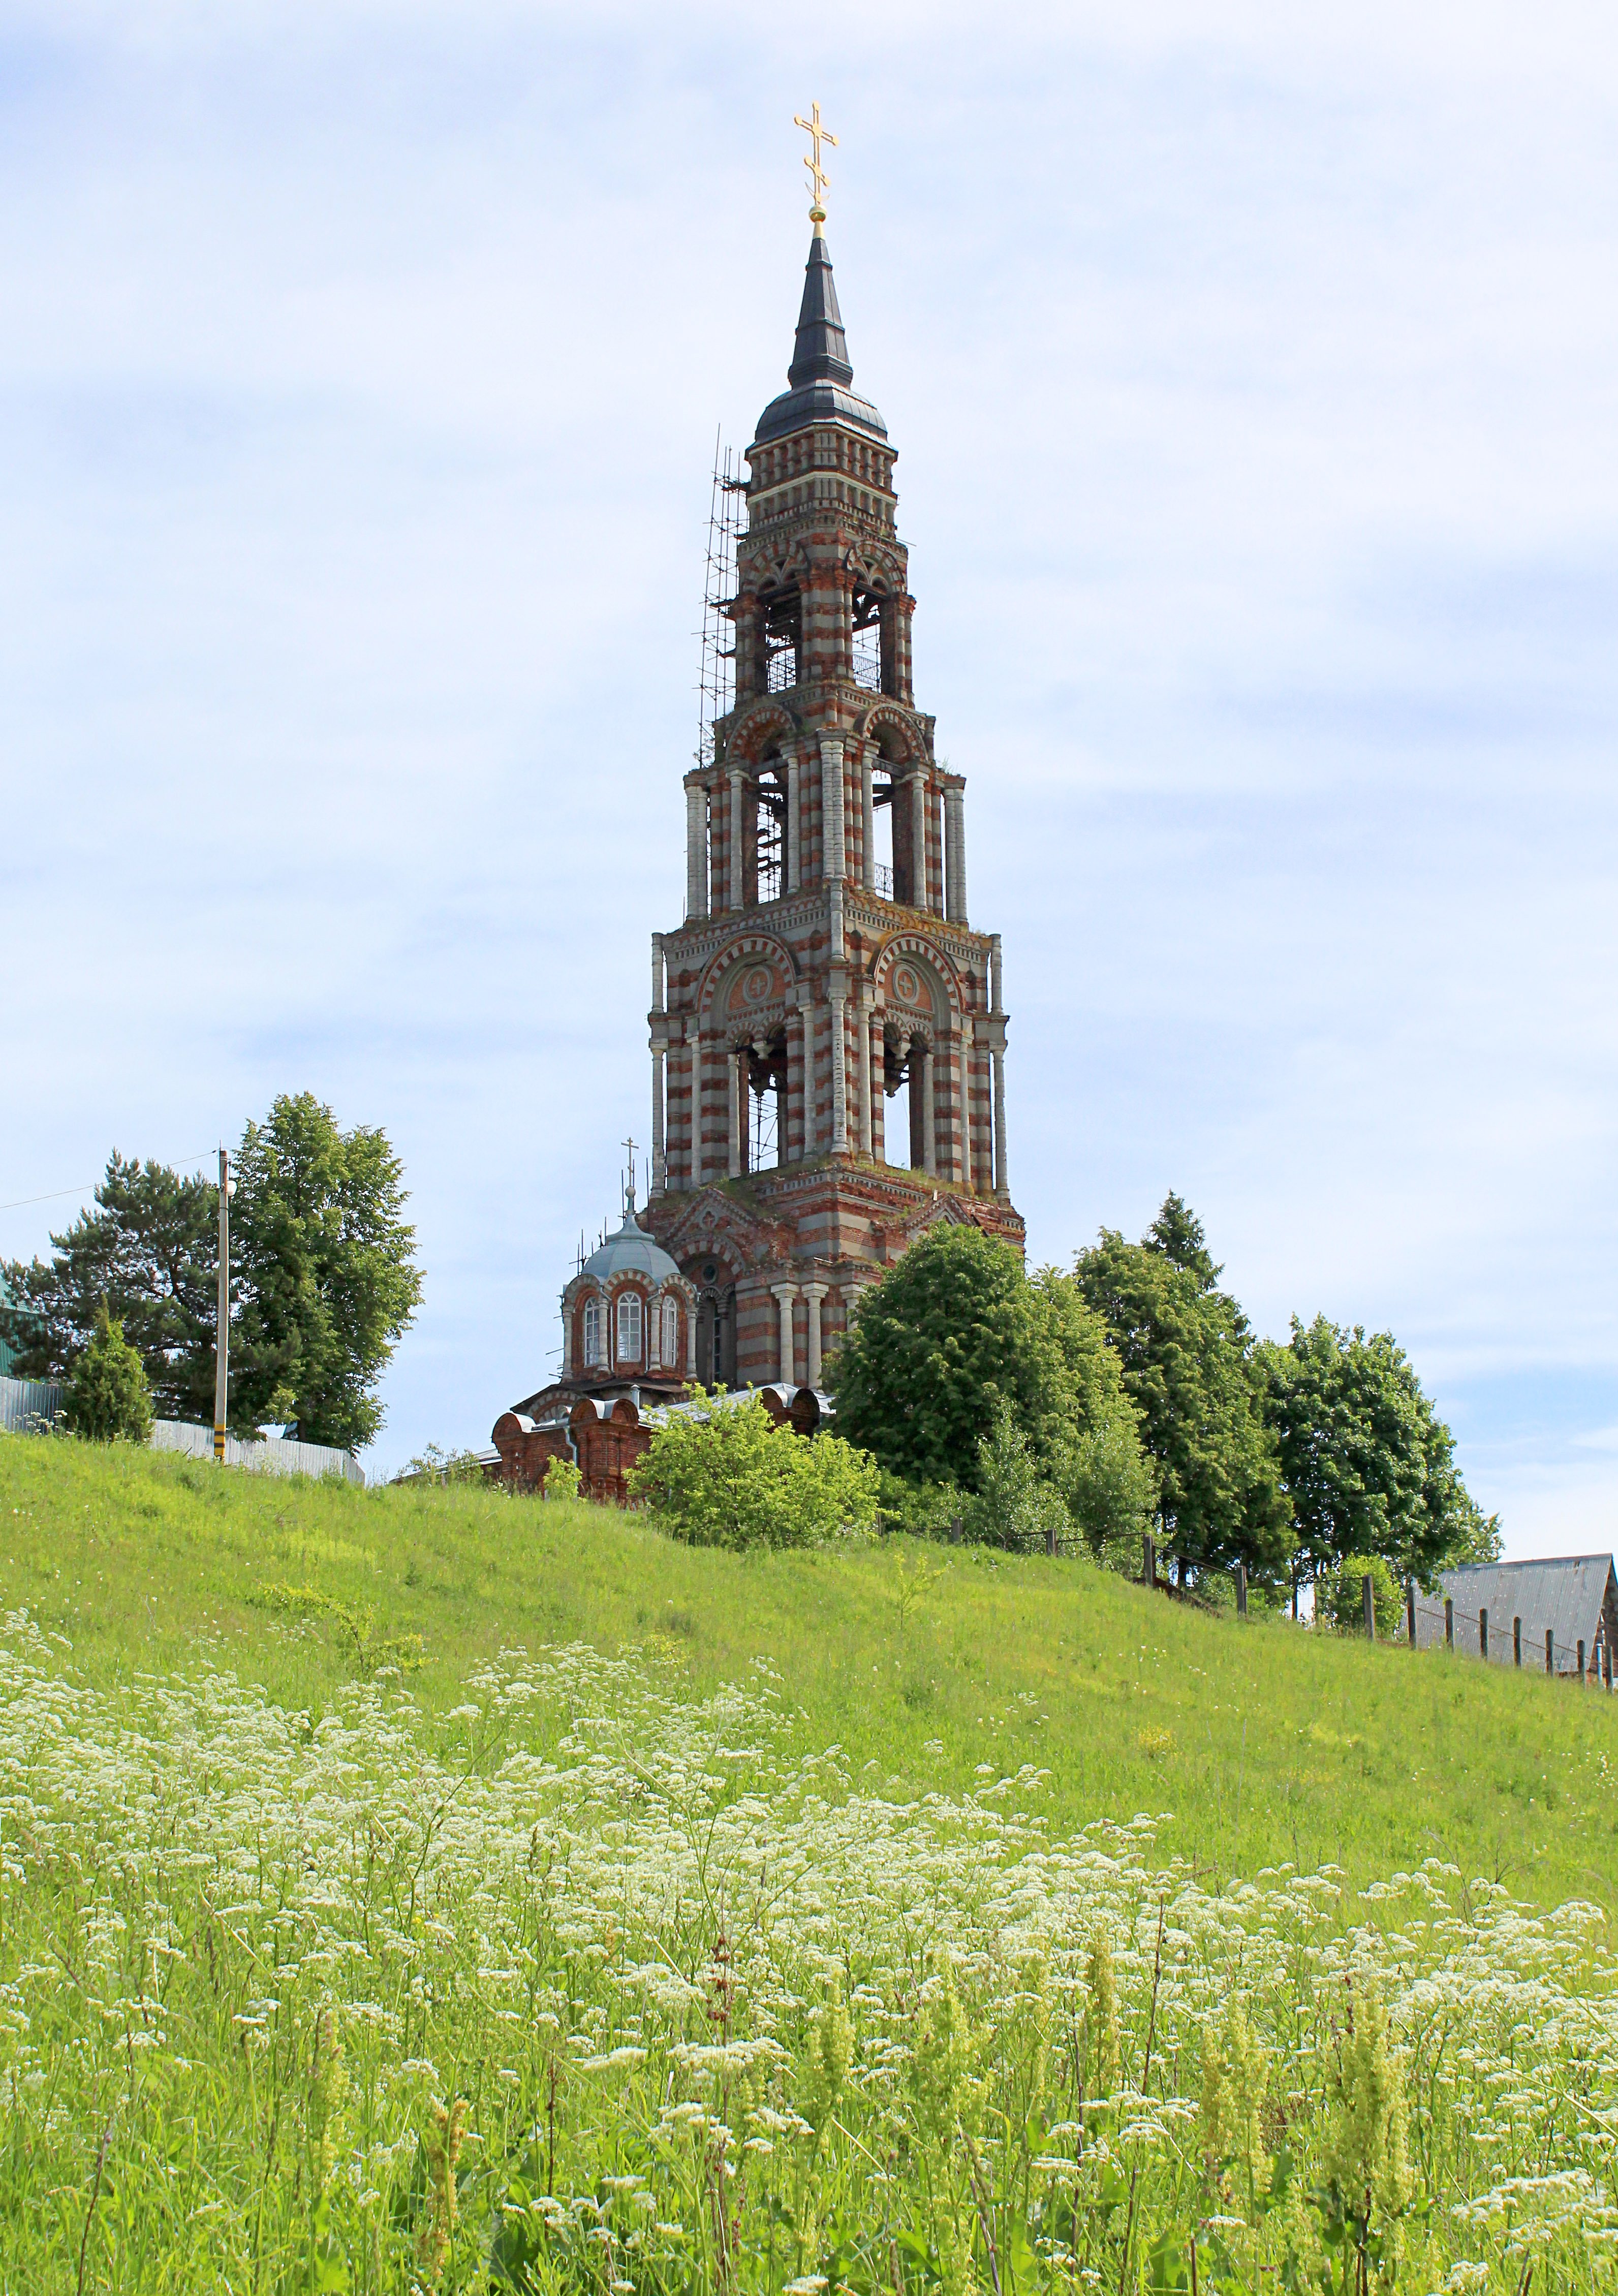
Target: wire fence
x=1433 y=1622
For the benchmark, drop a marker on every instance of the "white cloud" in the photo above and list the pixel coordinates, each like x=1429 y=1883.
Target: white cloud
x=1252 y=371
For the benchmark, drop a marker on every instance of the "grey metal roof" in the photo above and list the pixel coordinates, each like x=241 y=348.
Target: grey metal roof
x=631 y=1252
x=1563 y=1594
x=820 y=372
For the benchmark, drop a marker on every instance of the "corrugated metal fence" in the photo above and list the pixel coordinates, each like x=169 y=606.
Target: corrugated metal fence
x=24 y=1402
x=274 y=1455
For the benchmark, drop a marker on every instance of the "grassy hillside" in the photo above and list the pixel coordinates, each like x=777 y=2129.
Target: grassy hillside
x=1264 y=1744
x=613 y=1964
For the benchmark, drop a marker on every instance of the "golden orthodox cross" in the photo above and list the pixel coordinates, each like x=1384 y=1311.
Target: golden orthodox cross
x=629 y=1184
x=818 y=178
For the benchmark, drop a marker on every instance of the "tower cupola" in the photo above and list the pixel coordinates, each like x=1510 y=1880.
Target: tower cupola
x=821 y=372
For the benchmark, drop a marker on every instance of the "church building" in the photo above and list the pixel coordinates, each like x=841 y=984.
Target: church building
x=827 y=1028
x=828 y=1036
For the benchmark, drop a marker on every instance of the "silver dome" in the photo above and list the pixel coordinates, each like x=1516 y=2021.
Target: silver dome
x=631 y=1252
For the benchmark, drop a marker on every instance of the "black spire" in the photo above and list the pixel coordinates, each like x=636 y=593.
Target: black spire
x=821 y=352
x=821 y=374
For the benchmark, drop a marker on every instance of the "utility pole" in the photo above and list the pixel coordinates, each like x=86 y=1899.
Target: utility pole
x=221 y=1376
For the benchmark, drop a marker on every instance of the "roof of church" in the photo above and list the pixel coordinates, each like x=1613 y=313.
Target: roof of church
x=820 y=372
x=630 y=1251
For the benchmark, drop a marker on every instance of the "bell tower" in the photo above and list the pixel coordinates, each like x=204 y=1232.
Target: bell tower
x=828 y=1037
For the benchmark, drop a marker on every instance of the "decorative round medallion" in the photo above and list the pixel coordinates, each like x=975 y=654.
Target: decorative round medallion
x=907 y=988
x=756 y=987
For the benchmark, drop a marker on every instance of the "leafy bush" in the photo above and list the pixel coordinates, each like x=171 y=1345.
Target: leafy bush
x=921 y=1510
x=1015 y=1506
x=725 y=1474
x=561 y=1481
x=434 y=1464
x=1110 y=1488
x=1339 y=1596
x=107 y=1399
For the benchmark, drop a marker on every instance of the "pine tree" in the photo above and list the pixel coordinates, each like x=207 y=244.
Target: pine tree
x=108 y=1397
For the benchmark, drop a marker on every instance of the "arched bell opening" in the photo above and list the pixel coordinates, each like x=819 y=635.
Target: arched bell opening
x=766 y=858
x=764 y=1071
x=781 y=632
x=870 y=644
x=896 y=1077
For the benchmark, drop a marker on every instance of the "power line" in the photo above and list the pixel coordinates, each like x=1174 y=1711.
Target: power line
x=54 y=1195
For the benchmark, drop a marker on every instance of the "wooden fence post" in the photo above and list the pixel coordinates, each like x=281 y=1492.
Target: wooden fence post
x=1582 y=1657
x=1607 y=1665
x=1148 y=1559
x=1516 y=1641
x=1410 y=1611
x=1050 y=1537
x=1241 y=1590
x=1448 y=1623
x=1482 y=1634
x=1367 y=1596
x=1550 y=1650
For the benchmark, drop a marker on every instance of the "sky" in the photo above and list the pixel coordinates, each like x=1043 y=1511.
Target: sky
x=1253 y=378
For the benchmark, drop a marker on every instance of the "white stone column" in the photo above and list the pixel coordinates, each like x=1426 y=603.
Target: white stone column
x=794 y=873
x=867 y=822
x=567 y=1340
x=733 y=1114
x=967 y=1043
x=833 y=859
x=955 y=856
x=815 y=1293
x=929 y=1111
x=738 y=779
x=696 y=850
x=1002 y=1181
x=863 y=1023
x=918 y=840
x=840 y=1077
x=784 y=1295
x=876 y=1069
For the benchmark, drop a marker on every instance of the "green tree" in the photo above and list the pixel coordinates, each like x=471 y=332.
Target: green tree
x=725 y=1474
x=1109 y=1485
x=328 y=1279
x=107 y=1399
x=149 y=1249
x=1186 y=1356
x=1013 y=1505
x=1339 y=1596
x=955 y=1335
x=1369 y=1466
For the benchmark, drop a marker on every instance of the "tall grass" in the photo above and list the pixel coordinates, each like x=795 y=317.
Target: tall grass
x=588 y=1983
x=1266 y=1744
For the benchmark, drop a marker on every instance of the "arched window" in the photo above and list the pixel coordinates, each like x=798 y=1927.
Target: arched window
x=592 y=1331
x=671 y=1335
x=629 y=1327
